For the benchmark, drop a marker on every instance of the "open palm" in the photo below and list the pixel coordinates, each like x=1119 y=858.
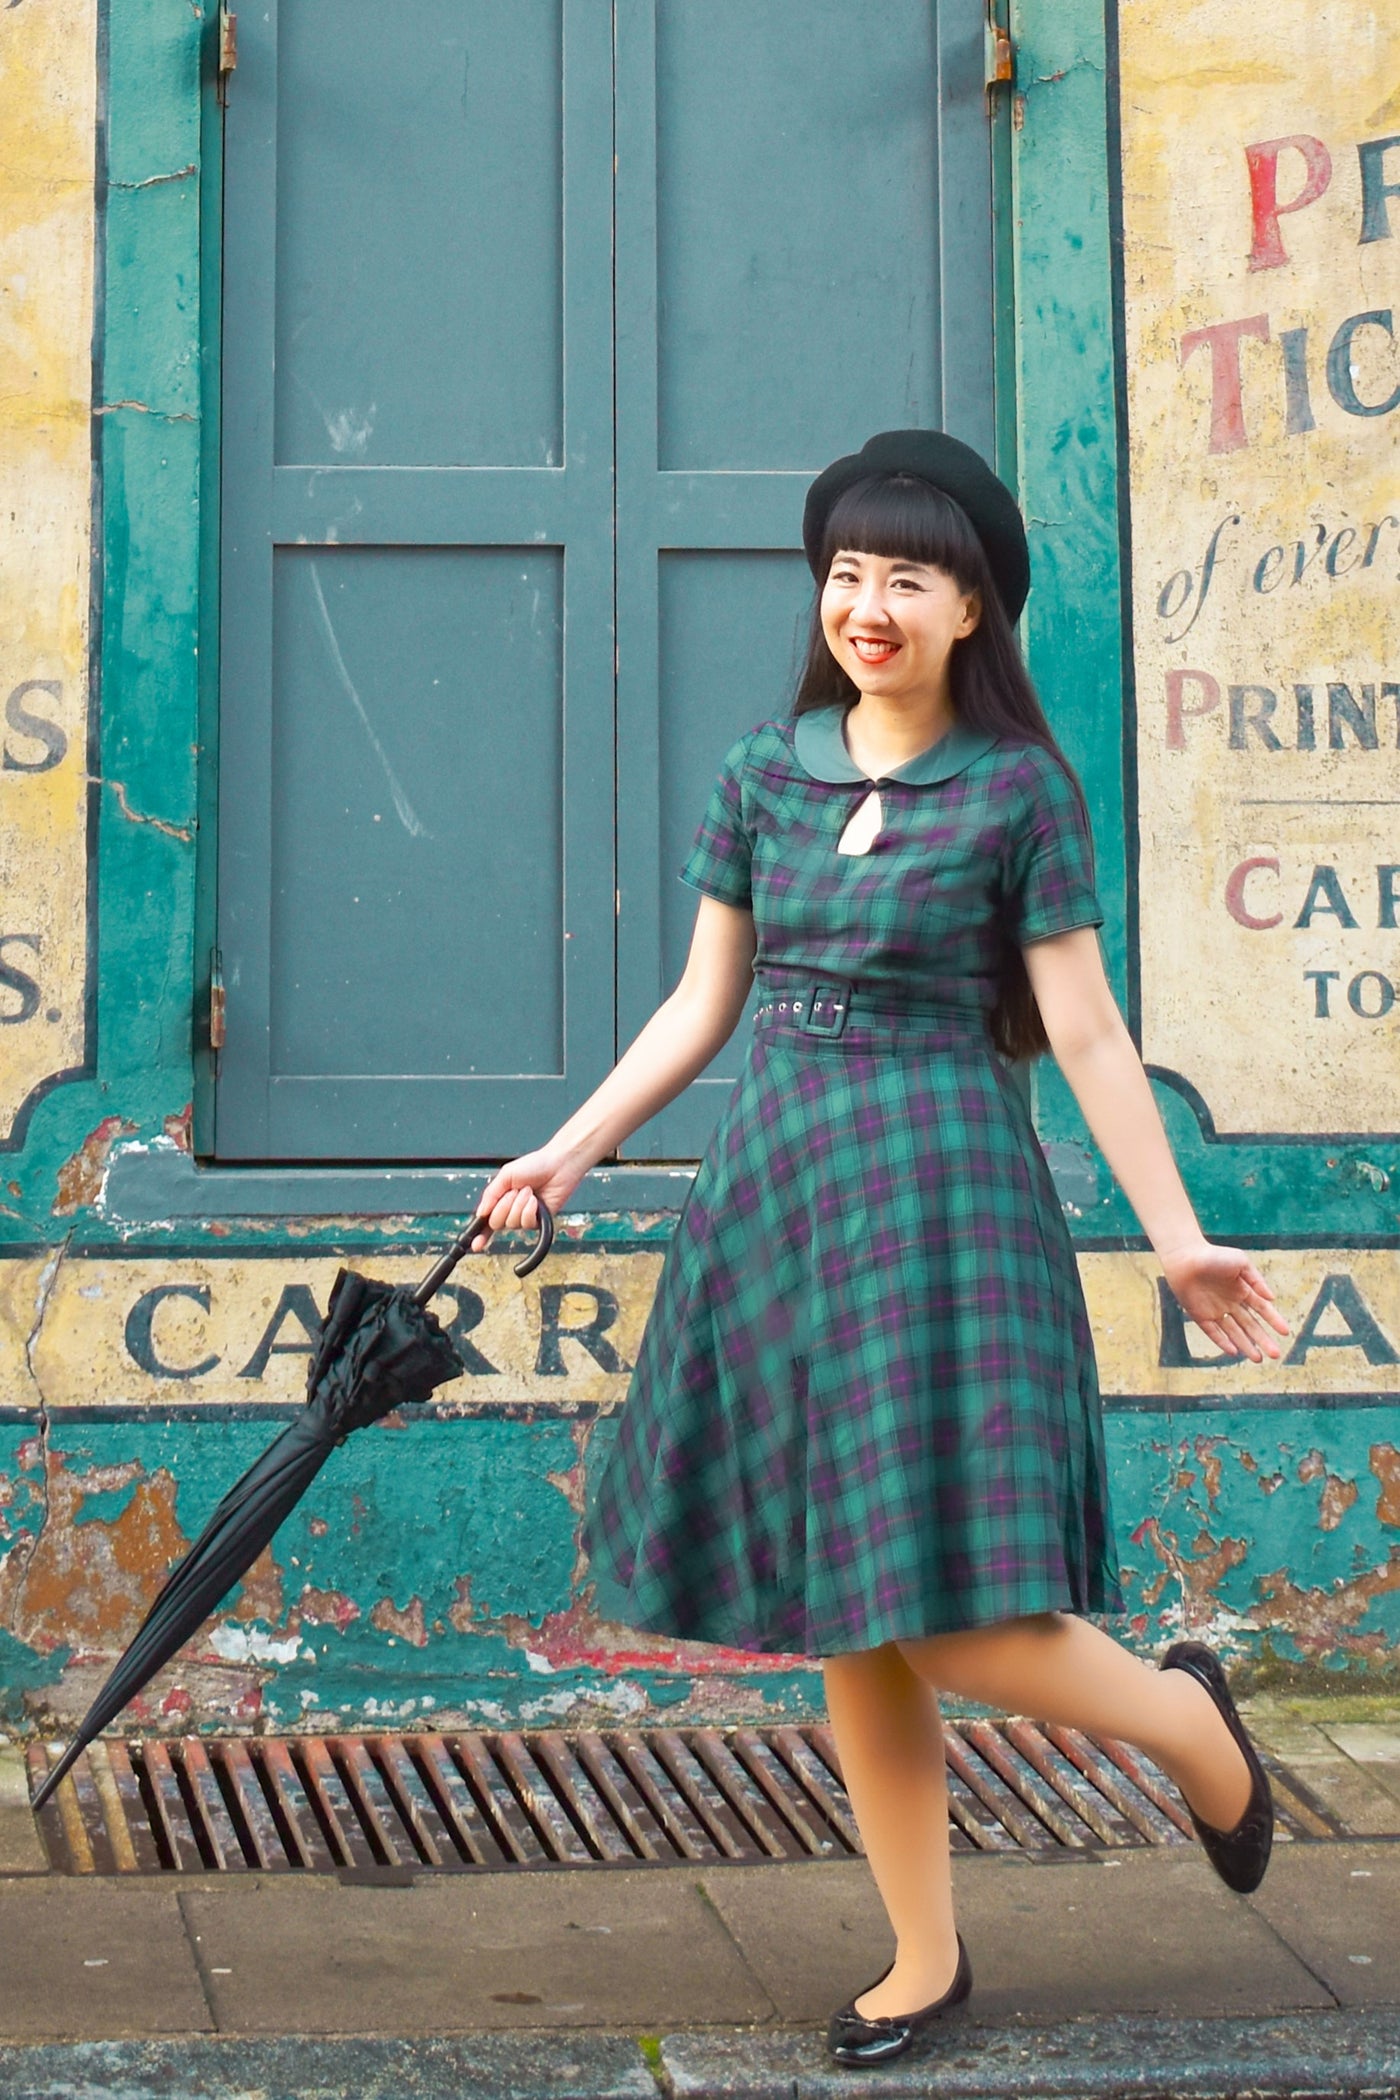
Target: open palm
x=1222 y=1291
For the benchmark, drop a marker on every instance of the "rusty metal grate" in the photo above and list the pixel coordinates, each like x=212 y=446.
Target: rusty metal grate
x=385 y=1807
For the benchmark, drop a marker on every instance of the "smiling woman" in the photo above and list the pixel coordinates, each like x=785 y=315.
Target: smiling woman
x=864 y=1422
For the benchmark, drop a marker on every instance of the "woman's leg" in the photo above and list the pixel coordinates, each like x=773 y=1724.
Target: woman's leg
x=888 y=1732
x=1057 y=1667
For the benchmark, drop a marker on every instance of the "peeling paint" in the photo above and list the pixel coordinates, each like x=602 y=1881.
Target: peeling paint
x=1321 y=1621
x=1338 y=1496
x=406 y=1625
x=1385 y=1464
x=1198 y=1570
x=90 y=1584
x=183 y=832
x=144 y=408
x=80 y=1177
x=326 y=1607
x=248 y=1644
x=148 y=182
x=177 y=1128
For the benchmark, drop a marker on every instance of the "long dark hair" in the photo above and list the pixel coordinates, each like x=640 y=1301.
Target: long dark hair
x=904 y=518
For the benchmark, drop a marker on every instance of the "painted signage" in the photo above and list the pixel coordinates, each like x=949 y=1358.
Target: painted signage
x=1261 y=236
x=47 y=235
x=83 y=1328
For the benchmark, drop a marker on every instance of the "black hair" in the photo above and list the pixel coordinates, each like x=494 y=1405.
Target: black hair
x=902 y=517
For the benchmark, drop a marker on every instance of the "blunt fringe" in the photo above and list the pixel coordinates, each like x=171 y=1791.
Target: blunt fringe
x=904 y=518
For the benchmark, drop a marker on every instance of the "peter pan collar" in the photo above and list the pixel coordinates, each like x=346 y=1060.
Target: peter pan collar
x=821 y=751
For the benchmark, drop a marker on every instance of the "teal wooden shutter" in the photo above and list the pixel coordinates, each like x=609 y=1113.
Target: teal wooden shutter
x=416 y=880
x=803 y=258
x=429 y=948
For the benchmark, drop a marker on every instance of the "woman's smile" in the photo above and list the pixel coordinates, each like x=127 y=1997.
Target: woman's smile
x=872 y=649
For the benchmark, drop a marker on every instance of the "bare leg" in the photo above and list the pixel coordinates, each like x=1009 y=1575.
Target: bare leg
x=1057 y=1667
x=887 y=1727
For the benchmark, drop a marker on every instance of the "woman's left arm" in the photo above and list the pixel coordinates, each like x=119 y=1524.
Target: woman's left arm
x=1218 y=1287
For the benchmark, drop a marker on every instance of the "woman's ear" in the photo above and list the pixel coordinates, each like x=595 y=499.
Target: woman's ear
x=972 y=614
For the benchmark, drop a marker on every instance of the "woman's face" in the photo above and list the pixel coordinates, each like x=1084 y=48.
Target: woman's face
x=891 y=624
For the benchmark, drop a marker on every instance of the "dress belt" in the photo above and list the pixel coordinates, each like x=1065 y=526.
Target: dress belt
x=821 y=1006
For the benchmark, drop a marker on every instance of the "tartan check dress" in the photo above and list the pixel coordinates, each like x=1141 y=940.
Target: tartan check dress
x=865 y=1405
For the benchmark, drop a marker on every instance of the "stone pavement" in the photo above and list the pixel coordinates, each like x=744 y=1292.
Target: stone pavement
x=1131 y=1973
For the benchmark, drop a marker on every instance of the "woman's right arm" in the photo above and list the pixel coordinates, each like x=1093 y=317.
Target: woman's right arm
x=677 y=1043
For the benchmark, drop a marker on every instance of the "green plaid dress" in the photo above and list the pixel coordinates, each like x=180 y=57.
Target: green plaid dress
x=865 y=1406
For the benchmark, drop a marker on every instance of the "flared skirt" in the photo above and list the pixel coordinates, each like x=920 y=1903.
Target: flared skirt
x=865 y=1405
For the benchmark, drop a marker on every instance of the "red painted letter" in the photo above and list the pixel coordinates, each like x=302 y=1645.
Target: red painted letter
x=1268 y=251
x=1177 y=710
x=1234 y=895
x=1226 y=412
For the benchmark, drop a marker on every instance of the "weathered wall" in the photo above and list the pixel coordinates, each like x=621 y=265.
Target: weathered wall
x=147 y=1354
x=1263 y=1496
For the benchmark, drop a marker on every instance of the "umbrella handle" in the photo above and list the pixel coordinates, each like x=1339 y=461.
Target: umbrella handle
x=437 y=1276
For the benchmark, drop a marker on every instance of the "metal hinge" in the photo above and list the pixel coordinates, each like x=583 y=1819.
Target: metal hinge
x=216 y=1000
x=1001 y=53
x=228 y=48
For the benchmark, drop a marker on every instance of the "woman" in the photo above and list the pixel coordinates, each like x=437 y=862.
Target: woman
x=864 y=1423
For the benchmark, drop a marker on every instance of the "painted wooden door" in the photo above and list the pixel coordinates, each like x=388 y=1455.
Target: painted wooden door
x=416 y=909
x=509 y=543
x=804 y=223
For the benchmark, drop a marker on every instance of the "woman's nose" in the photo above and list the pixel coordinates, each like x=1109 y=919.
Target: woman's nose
x=870 y=604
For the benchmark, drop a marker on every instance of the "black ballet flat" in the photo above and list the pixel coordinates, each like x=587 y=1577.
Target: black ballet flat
x=852 y=2039
x=1239 y=1856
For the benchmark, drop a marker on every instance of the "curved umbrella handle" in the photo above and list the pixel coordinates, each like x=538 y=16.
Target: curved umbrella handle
x=437 y=1276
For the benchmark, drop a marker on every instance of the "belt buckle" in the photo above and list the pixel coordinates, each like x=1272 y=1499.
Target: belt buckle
x=835 y=1000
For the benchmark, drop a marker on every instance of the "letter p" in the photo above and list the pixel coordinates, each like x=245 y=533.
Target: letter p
x=1266 y=211
x=1177 y=709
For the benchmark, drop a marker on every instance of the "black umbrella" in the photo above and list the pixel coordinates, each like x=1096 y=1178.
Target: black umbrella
x=379 y=1349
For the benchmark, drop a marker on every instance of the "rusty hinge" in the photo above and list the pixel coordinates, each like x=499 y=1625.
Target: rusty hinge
x=1001 y=54
x=228 y=48
x=216 y=1001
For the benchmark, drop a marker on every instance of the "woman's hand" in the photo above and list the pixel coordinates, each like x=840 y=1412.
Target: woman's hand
x=509 y=1196
x=1222 y=1291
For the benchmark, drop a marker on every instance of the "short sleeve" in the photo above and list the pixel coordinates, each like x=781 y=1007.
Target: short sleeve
x=720 y=860
x=1049 y=856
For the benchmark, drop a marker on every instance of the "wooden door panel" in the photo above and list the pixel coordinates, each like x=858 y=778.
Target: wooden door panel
x=804 y=257
x=416 y=910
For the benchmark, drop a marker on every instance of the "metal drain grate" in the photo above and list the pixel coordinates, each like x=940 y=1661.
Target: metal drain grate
x=382 y=1807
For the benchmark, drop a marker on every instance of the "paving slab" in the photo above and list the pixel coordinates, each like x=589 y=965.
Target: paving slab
x=1338 y=1907
x=100 y=1958
x=1373 y=1746
x=542 y=2066
x=1342 y=2055
x=568 y=1949
x=1148 y=1932
x=1355 y=1793
x=21 y=1848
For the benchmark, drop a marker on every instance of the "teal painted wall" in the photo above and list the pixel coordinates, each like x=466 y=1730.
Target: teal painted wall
x=435 y=1568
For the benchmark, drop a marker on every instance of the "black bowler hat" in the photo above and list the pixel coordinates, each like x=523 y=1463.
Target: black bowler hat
x=951 y=466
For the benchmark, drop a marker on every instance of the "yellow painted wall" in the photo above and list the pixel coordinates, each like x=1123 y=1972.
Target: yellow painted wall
x=1263 y=392
x=238 y=1329
x=47 y=240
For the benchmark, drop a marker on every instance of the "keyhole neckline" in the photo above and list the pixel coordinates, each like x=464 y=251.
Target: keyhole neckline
x=863 y=826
